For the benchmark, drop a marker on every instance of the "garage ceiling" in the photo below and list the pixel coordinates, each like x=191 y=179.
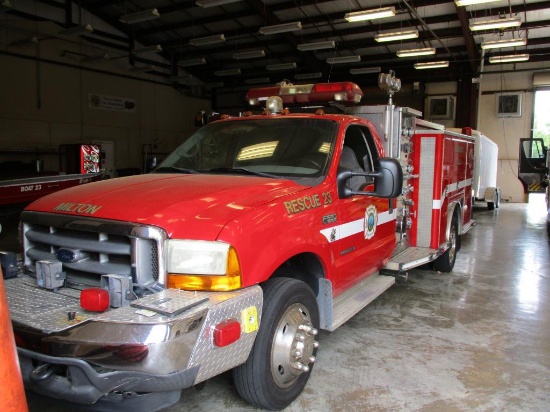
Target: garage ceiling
x=441 y=24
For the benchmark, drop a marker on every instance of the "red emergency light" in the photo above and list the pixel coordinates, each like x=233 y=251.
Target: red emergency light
x=94 y=299
x=226 y=332
x=342 y=92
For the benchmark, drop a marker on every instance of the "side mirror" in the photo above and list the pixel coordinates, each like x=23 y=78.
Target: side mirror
x=388 y=179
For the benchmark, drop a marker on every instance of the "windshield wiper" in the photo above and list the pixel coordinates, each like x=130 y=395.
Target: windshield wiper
x=175 y=169
x=239 y=170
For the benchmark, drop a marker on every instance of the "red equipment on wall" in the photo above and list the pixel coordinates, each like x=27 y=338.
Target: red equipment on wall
x=80 y=158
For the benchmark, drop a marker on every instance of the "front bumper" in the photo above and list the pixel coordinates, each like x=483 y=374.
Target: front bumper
x=75 y=380
x=160 y=343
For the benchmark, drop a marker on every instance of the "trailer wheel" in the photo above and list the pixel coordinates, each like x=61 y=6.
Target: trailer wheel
x=446 y=261
x=496 y=202
x=282 y=357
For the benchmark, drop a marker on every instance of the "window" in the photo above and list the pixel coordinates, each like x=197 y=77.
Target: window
x=357 y=155
x=508 y=104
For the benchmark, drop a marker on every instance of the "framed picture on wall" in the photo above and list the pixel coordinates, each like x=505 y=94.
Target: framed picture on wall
x=509 y=104
x=441 y=107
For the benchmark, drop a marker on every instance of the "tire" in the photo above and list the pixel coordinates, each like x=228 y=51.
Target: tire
x=490 y=206
x=282 y=357
x=497 y=199
x=446 y=261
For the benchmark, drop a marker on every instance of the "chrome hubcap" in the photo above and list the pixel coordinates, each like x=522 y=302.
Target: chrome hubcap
x=293 y=346
x=452 y=240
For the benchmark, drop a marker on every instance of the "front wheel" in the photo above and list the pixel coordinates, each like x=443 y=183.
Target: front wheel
x=446 y=261
x=282 y=357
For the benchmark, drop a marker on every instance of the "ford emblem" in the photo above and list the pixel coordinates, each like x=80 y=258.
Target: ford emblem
x=68 y=255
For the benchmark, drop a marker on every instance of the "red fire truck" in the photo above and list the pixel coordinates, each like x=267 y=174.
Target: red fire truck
x=250 y=237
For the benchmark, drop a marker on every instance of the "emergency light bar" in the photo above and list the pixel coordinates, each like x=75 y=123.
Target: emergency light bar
x=344 y=92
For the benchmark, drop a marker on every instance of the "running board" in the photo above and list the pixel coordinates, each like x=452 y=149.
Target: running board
x=411 y=258
x=335 y=312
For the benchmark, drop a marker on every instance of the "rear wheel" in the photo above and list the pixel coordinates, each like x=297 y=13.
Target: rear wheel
x=281 y=360
x=446 y=261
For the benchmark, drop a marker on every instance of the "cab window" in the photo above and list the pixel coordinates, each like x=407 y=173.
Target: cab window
x=358 y=155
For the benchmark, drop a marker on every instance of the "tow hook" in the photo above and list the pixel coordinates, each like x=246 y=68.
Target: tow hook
x=43 y=372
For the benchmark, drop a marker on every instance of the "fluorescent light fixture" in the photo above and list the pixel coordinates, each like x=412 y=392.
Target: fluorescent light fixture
x=495 y=24
x=157 y=48
x=139 y=69
x=365 y=70
x=509 y=59
x=204 y=41
x=252 y=54
x=370 y=14
x=25 y=42
x=416 y=52
x=140 y=16
x=191 y=62
x=281 y=28
x=304 y=76
x=213 y=3
x=228 y=72
x=185 y=77
x=97 y=57
x=396 y=35
x=343 y=60
x=259 y=80
x=461 y=3
x=497 y=44
x=213 y=85
x=317 y=45
x=5 y=6
x=431 y=65
x=281 y=66
x=77 y=30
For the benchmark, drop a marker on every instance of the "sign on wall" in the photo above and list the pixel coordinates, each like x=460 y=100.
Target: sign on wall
x=102 y=102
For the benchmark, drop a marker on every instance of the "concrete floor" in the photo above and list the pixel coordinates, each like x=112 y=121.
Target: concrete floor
x=477 y=339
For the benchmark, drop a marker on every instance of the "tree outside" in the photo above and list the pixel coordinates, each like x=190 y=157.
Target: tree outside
x=541 y=123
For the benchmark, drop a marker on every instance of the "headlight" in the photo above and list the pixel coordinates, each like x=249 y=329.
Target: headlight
x=202 y=265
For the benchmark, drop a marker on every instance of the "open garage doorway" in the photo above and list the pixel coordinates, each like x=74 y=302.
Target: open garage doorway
x=541 y=135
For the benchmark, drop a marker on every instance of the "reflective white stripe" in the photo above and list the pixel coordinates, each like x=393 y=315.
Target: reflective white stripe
x=438 y=203
x=357 y=226
x=464 y=183
x=386 y=217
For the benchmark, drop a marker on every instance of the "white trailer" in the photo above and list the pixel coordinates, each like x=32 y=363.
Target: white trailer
x=485 y=169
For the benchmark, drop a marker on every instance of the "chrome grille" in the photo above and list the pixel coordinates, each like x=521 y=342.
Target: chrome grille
x=106 y=247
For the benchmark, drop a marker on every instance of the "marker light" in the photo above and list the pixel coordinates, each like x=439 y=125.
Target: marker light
x=226 y=332
x=94 y=299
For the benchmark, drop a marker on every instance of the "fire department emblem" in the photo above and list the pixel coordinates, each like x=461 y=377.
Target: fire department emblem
x=371 y=220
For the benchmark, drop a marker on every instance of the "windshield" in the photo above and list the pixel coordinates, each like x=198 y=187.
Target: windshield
x=294 y=148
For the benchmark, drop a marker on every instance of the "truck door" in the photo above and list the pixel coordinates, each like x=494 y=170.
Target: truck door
x=532 y=165
x=362 y=238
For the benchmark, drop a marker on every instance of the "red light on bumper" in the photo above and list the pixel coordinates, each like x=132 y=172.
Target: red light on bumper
x=94 y=299
x=226 y=332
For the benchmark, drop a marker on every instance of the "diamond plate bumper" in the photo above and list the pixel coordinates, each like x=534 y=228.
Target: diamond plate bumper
x=160 y=343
